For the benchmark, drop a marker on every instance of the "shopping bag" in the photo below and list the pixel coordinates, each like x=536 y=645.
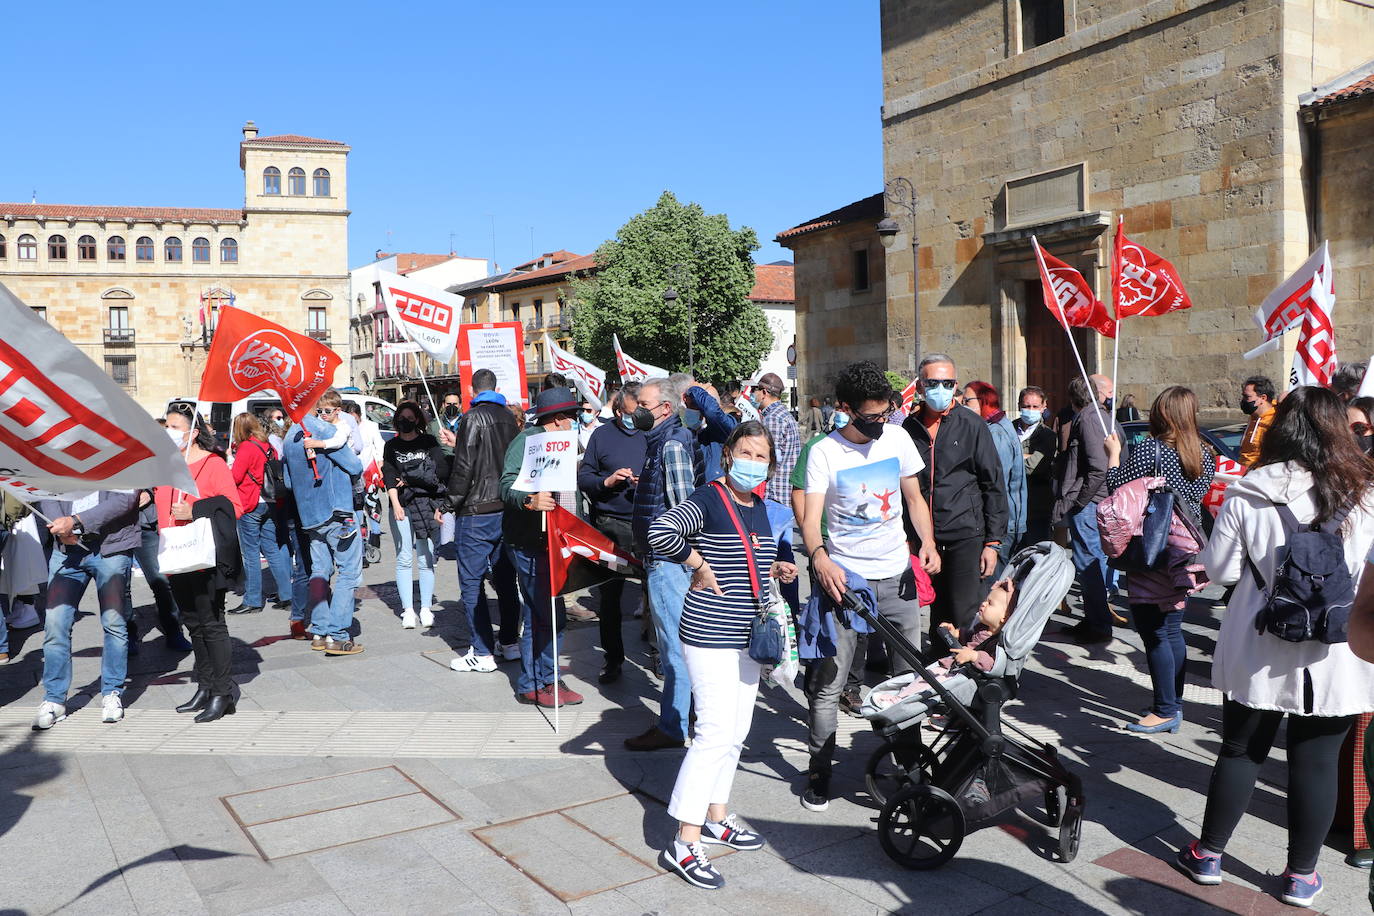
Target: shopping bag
x=186 y=548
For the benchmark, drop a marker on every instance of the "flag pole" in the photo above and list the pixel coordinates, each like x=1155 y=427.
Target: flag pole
x=1116 y=315
x=553 y=619
x=1073 y=344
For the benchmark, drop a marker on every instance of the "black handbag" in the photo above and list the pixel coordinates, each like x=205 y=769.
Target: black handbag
x=1146 y=551
x=767 y=644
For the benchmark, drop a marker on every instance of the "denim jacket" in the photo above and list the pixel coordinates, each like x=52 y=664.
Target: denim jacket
x=318 y=500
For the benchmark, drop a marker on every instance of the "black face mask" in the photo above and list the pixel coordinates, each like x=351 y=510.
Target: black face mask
x=869 y=429
x=1366 y=443
x=405 y=425
x=1248 y=407
x=451 y=411
x=644 y=419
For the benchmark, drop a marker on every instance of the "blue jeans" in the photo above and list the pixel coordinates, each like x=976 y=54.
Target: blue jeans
x=477 y=540
x=667 y=584
x=334 y=548
x=288 y=526
x=1166 y=654
x=538 y=666
x=1091 y=564
x=71 y=570
x=258 y=535
x=412 y=551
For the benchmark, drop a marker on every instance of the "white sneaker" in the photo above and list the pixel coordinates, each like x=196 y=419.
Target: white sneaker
x=470 y=662
x=49 y=714
x=426 y=617
x=510 y=651
x=408 y=619
x=112 y=709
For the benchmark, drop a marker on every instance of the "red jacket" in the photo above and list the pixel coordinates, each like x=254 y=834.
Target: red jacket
x=212 y=478
x=250 y=463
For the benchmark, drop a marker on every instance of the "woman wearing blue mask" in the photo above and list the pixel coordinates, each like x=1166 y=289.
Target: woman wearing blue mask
x=722 y=532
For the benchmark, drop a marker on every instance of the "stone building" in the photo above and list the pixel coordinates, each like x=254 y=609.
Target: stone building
x=1182 y=117
x=129 y=285
x=775 y=293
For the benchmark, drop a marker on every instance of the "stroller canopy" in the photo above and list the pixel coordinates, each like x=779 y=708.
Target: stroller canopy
x=1043 y=574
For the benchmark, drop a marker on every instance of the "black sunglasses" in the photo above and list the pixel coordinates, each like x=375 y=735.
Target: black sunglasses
x=932 y=383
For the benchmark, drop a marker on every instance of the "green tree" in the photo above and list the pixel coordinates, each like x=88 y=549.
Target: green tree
x=711 y=268
x=896 y=379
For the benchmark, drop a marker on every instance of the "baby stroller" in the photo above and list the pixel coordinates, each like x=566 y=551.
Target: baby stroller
x=972 y=773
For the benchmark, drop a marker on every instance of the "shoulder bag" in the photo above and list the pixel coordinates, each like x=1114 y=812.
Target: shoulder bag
x=767 y=644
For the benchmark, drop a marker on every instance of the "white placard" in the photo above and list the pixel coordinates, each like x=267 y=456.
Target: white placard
x=549 y=464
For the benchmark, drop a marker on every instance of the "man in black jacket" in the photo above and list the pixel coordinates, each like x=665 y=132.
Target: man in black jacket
x=962 y=482
x=474 y=489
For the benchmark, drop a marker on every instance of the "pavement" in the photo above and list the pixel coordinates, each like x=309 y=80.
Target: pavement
x=386 y=783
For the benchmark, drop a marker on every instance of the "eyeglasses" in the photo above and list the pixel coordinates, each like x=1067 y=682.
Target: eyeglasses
x=932 y=383
x=1361 y=429
x=879 y=417
x=326 y=411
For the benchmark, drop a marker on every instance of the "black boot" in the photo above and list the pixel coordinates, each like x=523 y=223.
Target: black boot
x=197 y=702
x=219 y=706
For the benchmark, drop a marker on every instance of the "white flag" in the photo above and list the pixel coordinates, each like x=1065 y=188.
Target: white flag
x=589 y=380
x=632 y=370
x=423 y=313
x=1314 y=358
x=64 y=424
x=1285 y=308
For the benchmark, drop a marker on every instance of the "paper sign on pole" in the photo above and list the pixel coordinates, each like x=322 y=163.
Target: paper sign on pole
x=500 y=347
x=589 y=380
x=423 y=313
x=398 y=347
x=549 y=463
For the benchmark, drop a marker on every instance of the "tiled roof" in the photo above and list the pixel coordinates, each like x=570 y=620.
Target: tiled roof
x=868 y=208
x=772 y=283
x=472 y=286
x=575 y=264
x=552 y=256
x=142 y=214
x=1355 y=84
x=295 y=140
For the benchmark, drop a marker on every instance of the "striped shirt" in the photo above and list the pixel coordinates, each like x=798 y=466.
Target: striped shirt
x=711 y=621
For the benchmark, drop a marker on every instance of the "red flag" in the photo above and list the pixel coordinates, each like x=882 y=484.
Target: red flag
x=251 y=354
x=1069 y=297
x=909 y=396
x=372 y=476
x=581 y=556
x=1143 y=282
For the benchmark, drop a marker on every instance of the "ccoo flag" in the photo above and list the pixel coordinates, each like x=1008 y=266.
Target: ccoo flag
x=425 y=314
x=1143 y=283
x=251 y=354
x=1069 y=297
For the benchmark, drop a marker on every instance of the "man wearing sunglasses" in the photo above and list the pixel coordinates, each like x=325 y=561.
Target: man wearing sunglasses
x=962 y=480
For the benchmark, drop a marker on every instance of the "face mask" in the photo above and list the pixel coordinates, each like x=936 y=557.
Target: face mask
x=691 y=418
x=627 y=421
x=1108 y=403
x=405 y=425
x=939 y=398
x=177 y=436
x=588 y=418
x=840 y=418
x=451 y=411
x=755 y=398
x=644 y=419
x=748 y=474
x=1031 y=417
x=279 y=423
x=869 y=429
x=1248 y=407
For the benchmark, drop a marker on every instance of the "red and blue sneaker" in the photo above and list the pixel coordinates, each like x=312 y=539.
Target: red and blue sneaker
x=729 y=832
x=689 y=860
x=1202 y=867
x=1298 y=890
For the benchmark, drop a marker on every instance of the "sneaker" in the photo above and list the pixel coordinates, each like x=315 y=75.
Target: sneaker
x=529 y=698
x=544 y=696
x=343 y=647
x=817 y=794
x=112 y=709
x=470 y=662
x=49 y=714
x=729 y=833
x=691 y=863
x=4 y=658
x=655 y=739
x=408 y=619
x=1201 y=867
x=298 y=630
x=851 y=703
x=1299 y=890
x=320 y=643
x=426 y=617
x=510 y=652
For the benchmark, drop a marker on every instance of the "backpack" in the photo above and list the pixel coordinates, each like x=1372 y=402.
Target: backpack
x=1312 y=591
x=273 y=481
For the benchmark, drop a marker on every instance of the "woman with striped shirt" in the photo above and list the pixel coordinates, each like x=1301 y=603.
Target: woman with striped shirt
x=702 y=532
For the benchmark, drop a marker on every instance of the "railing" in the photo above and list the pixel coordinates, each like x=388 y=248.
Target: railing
x=119 y=336
x=320 y=334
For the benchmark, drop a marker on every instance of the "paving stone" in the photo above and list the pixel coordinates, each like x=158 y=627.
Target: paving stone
x=432 y=890
x=320 y=794
x=311 y=832
x=492 y=879
x=565 y=857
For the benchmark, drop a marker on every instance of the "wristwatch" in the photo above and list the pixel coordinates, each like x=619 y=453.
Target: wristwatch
x=78 y=529
x=525 y=503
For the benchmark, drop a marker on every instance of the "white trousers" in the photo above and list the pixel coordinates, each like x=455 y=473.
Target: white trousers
x=725 y=683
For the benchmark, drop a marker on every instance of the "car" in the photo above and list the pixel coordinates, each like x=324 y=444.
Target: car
x=220 y=414
x=1224 y=436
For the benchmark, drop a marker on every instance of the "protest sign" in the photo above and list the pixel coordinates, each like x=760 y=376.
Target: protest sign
x=549 y=463
x=500 y=347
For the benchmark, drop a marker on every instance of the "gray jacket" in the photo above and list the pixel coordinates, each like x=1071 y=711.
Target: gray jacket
x=111 y=527
x=1081 y=478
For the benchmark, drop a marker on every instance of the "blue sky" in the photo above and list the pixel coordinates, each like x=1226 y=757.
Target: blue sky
x=561 y=118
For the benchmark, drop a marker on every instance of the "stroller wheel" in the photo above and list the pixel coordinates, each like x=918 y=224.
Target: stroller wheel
x=921 y=827
x=372 y=554
x=1070 y=833
x=896 y=765
x=1056 y=799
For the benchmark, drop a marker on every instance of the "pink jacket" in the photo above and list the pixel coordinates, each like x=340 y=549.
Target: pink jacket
x=1118 y=520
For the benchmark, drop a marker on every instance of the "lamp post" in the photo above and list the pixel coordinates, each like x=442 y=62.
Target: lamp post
x=669 y=298
x=901 y=193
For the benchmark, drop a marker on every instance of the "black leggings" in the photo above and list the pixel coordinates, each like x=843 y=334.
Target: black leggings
x=1314 y=744
x=202 y=611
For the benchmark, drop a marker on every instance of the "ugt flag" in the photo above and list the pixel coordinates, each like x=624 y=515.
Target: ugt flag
x=251 y=354
x=1069 y=297
x=589 y=380
x=64 y=423
x=423 y=313
x=1143 y=283
x=580 y=556
x=632 y=370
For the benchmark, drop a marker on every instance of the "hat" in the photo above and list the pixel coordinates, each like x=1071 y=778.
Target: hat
x=555 y=400
x=770 y=382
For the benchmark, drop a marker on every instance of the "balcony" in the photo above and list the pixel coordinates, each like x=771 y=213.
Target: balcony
x=119 y=337
x=320 y=334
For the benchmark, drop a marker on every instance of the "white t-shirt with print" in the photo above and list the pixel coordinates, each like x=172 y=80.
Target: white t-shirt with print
x=863 y=499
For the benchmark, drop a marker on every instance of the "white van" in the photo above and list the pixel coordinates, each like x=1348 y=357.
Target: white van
x=220 y=414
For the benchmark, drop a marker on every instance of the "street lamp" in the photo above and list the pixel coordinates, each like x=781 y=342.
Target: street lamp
x=901 y=193
x=669 y=299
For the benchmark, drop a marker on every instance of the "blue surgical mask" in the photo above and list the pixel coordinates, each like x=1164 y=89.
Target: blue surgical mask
x=748 y=474
x=755 y=398
x=939 y=398
x=840 y=419
x=588 y=418
x=627 y=421
x=1031 y=417
x=691 y=418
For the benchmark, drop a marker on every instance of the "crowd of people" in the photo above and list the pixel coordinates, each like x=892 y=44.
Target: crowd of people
x=917 y=512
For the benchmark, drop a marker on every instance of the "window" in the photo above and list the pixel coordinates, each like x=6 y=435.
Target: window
x=229 y=252
x=472 y=313
x=171 y=249
x=143 y=248
x=271 y=180
x=321 y=182
x=57 y=248
x=538 y=313
x=3 y=253
x=121 y=369
x=295 y=182
x=41 y=311
x=200 y=251
x=114 y=248
x=1042 y=21
x=515 y=311
x=28 y=248
x=119 y=318
x=860 y=280
x=317 y=322
x=85 y=248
